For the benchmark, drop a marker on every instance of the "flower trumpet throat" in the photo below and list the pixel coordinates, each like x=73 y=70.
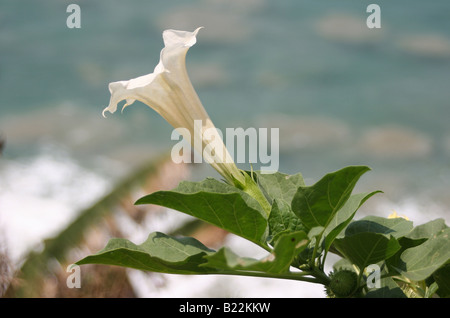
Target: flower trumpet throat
x=168 y=91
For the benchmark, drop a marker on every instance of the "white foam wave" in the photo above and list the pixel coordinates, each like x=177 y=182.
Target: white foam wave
x=41 y=195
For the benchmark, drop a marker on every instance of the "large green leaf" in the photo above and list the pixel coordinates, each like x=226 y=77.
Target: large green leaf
x=185 y=255
x=279 y=185
x=217 y=203
x=401 y=229
x=367 y=248
x=286 y=249
x=316 y=205
x=159 y=253
x=418 y=263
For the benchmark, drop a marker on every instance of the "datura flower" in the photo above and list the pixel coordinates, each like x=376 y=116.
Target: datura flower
x=169 y=91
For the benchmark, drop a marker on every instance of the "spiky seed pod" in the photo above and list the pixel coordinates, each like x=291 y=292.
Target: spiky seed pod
x=342 y=284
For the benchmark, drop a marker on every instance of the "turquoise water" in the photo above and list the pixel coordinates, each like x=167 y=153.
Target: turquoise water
x=306 y=61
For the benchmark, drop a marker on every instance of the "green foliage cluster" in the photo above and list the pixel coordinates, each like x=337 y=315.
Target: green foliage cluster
x=305 y=224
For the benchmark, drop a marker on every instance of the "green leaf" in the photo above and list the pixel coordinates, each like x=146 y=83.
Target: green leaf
x=388 y=289
x=418 y=263
x=344 y=216
x=427 y=230
x=372 y=239
x=316 y=232
x=217 y=203
x=279 y=261
x=288 y=246
x=279 y=185
x=225 y=260
x=415 y=237
x=431 y=290
x=442 y=278
x=282 y=220
x=159 y=253
x=367 y=248
x=397 y=227
x=316 y=205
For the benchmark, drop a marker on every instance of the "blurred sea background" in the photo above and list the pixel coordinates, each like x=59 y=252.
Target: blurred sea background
x=340 y=93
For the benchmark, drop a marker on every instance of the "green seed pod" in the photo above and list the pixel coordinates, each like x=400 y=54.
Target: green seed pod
x=342 y=284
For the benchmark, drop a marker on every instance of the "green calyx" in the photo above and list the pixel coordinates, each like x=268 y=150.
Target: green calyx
x=251 y=188
x=343 y=283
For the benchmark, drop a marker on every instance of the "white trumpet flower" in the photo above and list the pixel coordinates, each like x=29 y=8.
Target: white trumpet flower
x=169 y=91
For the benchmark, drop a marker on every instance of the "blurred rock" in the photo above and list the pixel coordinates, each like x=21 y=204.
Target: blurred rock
x=91 y=73
x=347 y=29
x=305 y=132
x=429 y=46
x=395 y=142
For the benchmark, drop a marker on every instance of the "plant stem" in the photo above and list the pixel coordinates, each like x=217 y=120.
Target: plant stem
x=312 y=262
x=290 y=276
x=319 y=274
